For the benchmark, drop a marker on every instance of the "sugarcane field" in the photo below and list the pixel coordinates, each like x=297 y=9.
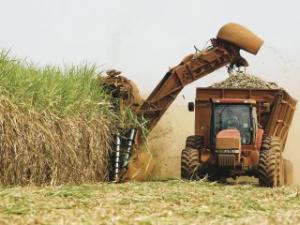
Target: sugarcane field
x=144 y=112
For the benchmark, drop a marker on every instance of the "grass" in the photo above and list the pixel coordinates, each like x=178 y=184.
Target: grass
x=171 y=202
x=68 y=91
x=56 y=124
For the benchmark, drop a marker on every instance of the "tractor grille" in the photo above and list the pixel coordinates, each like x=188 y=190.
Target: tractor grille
x=225 y=160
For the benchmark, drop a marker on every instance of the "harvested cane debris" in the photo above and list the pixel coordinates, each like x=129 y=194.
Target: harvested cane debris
x=244 y=80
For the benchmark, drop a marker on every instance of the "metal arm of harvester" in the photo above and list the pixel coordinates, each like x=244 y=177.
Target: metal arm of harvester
x=192 y=68
x=225 y=50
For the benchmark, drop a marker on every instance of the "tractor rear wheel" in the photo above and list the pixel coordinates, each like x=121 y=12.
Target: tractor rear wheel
x=190 y=163
x=194 y=141
x=288 y=172
x=270 y=167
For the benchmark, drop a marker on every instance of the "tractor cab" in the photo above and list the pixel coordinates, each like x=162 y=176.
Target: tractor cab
x=234 y=114
x=233 y=127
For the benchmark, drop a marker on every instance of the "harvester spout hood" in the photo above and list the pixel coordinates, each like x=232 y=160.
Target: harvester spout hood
x=241 y=37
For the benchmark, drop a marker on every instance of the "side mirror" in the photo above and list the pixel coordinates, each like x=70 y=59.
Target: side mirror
x=191 y=106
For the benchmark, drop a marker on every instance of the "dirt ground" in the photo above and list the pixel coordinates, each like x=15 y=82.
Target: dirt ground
x=168 y=139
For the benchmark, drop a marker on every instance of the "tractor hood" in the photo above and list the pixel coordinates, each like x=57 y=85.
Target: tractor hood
x=229 y=139
x=228 y=148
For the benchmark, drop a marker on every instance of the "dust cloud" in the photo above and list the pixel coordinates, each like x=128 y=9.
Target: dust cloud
x=292 y=149
x=168 y=139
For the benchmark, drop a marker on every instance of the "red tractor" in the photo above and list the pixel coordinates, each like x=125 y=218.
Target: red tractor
x=239 y=132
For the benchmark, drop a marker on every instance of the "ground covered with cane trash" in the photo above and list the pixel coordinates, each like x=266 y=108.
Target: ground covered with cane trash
x=170 y=202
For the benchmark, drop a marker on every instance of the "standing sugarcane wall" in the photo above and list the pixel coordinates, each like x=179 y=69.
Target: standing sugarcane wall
x=42 y=148
x=56 y=125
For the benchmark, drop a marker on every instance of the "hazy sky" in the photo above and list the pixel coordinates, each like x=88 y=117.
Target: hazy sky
x=144 y=38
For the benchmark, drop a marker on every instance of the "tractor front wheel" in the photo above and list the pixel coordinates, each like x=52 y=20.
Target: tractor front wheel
x=194 y=141
x=190 y=164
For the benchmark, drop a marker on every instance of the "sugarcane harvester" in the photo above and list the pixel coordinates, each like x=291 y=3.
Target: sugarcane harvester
x=224 y=51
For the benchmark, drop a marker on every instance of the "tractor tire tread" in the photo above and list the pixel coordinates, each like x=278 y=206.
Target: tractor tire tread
x=189 y=163
x=270 y=169
x=195 y=142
